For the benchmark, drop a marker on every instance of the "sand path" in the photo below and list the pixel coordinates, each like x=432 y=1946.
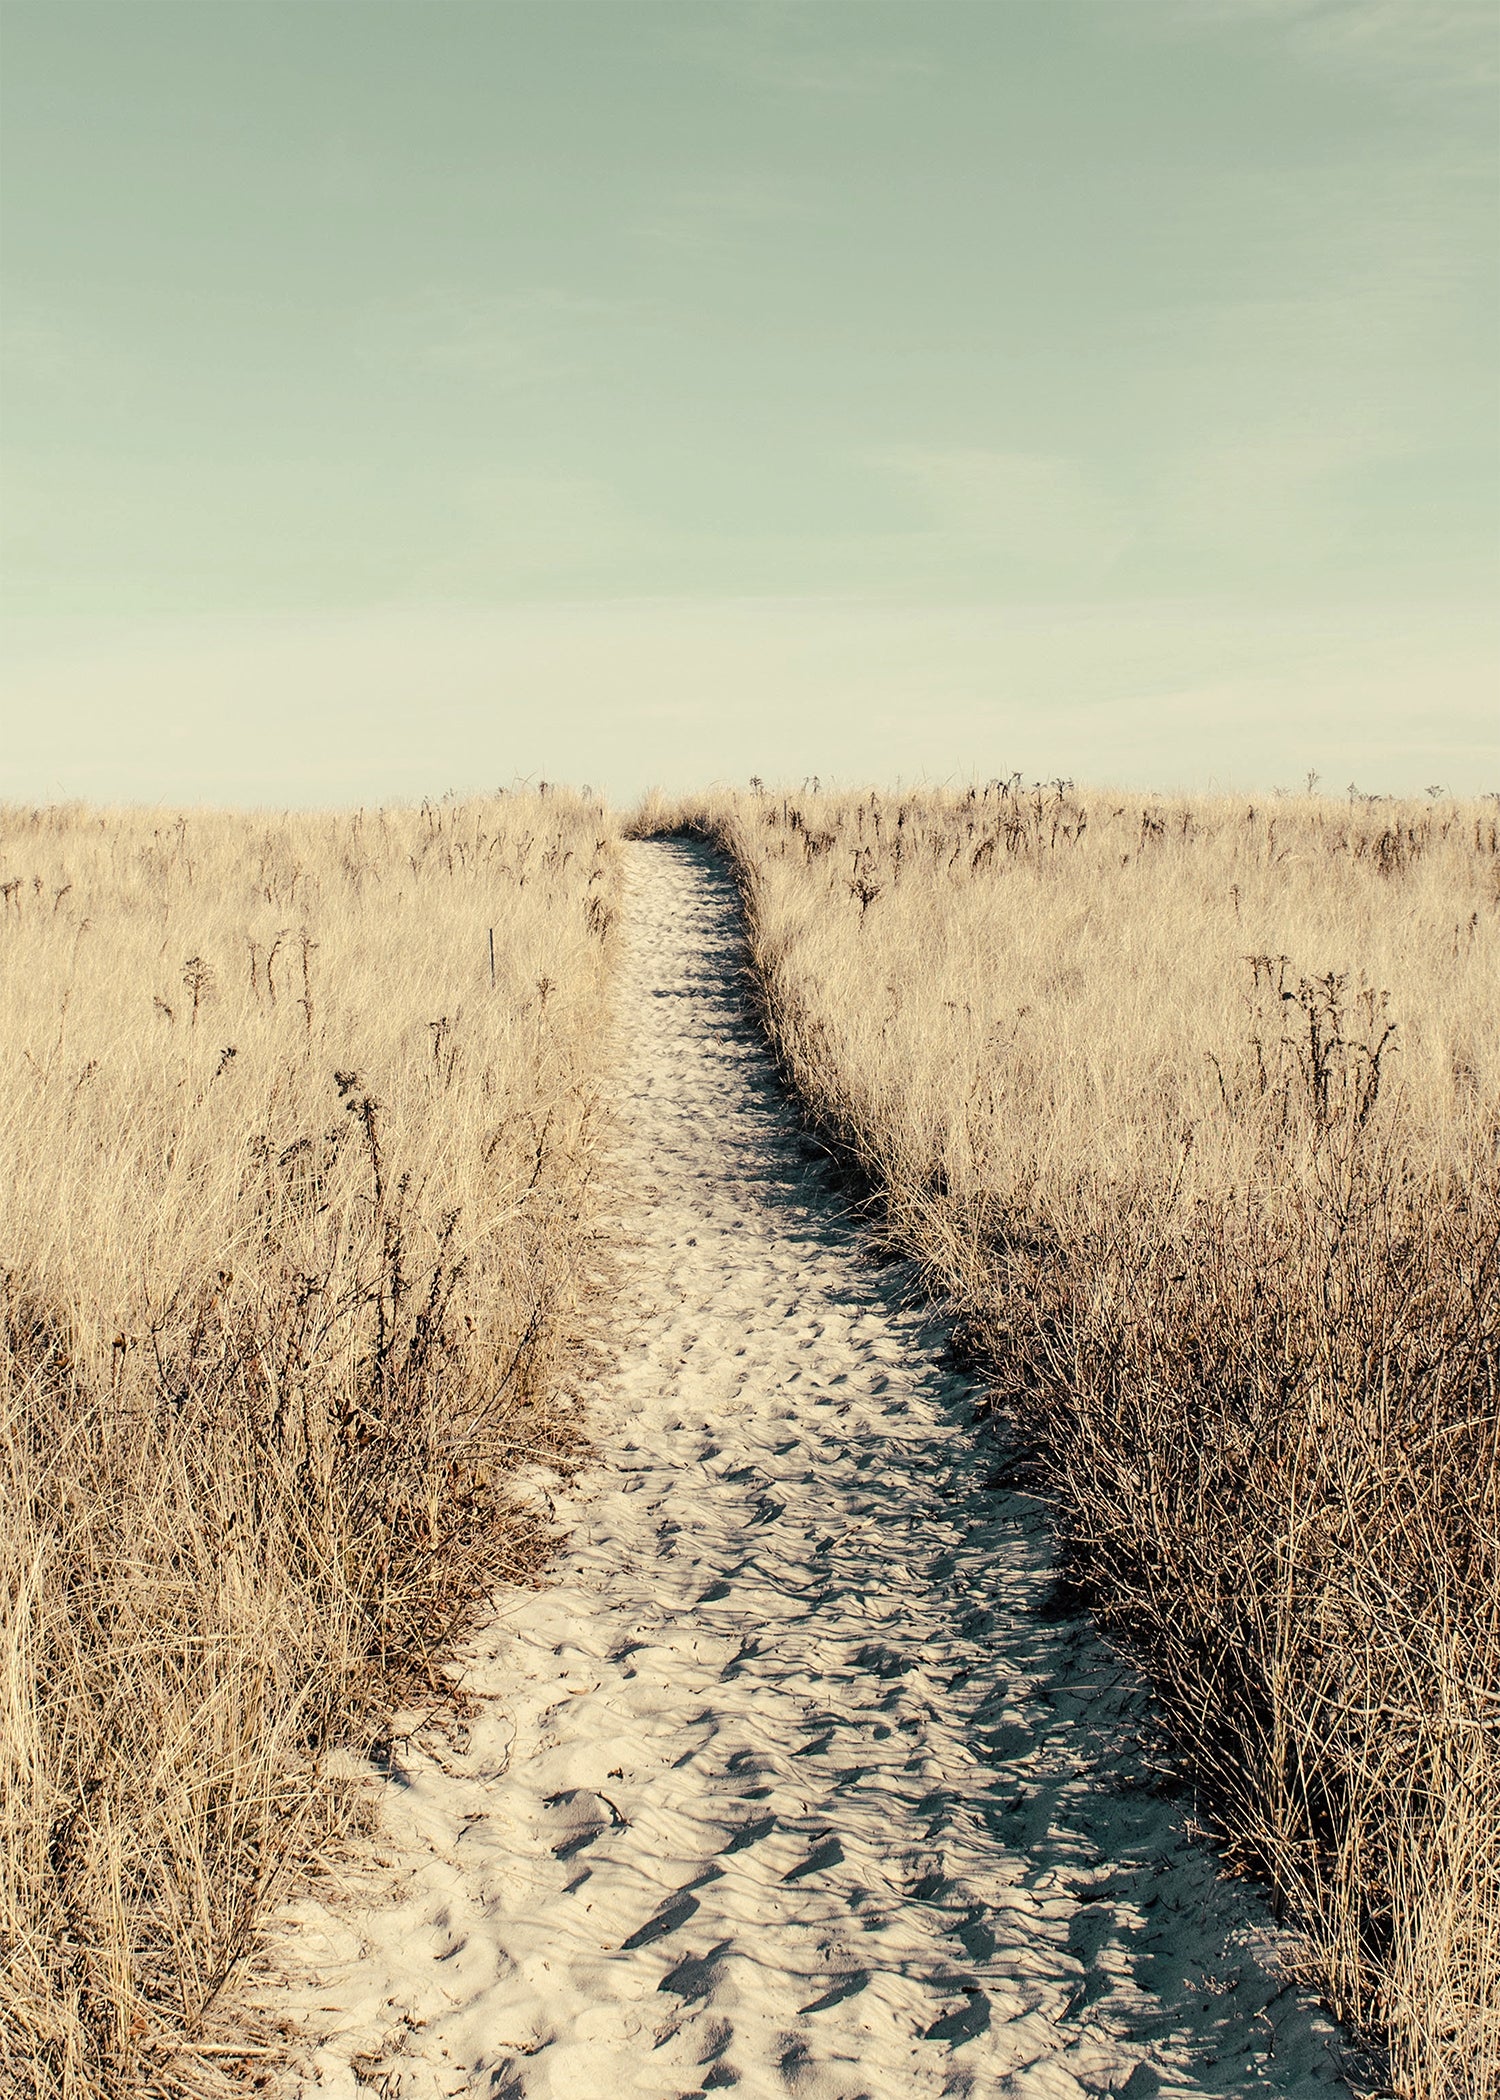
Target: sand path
x=790 y=1782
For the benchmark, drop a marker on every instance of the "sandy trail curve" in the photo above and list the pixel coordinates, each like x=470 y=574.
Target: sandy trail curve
x=790 y=1782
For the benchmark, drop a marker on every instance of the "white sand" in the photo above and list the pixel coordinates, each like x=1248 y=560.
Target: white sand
x=788 y=1783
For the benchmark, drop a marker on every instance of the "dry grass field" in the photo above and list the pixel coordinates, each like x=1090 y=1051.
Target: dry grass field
x=296 y=1239
x=1193 y=1107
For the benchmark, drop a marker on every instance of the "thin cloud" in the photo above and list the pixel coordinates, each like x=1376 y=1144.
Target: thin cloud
x=521 y=338
x=715 y=212
x=787 y=50
x=1040 y=509
x=1414 y=44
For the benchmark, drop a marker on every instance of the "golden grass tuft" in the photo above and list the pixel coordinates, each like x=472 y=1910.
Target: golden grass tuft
x=1193 y=1106
x=296 y=1238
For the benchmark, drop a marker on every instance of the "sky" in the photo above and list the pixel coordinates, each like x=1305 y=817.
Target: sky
x=410 y=395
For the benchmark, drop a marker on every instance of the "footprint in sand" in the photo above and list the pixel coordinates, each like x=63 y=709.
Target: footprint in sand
x=790 y=1782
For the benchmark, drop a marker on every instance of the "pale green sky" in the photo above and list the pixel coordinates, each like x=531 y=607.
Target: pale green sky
x=410 y=393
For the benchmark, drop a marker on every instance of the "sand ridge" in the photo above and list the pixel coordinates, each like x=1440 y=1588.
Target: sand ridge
x=794 y=1780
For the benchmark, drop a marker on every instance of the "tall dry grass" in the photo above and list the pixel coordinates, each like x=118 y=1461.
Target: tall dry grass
x=1194 y=1107
x=295 y=1241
